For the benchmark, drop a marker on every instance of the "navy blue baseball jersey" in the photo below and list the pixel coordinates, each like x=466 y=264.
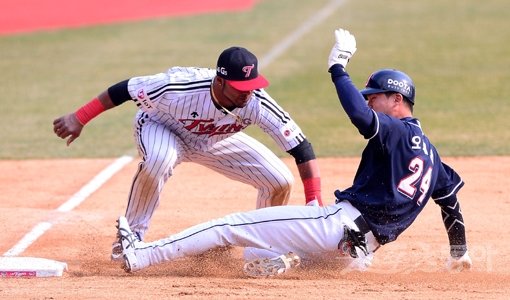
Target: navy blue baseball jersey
x=399 y=171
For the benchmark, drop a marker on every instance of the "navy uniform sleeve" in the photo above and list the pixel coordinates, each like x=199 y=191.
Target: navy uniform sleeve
x=448 y=183
x=354 y=104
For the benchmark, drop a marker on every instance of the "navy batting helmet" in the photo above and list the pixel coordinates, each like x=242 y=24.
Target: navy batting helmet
x=390 y=80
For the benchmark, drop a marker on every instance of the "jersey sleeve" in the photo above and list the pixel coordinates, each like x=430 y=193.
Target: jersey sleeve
x=448 y=183
x=147 y=91
x=276 y=122
x=142 y=90
x=354 y=104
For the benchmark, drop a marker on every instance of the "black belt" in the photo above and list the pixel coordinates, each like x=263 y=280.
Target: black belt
x=363 y=228
x=362 y=224
x=359 y=221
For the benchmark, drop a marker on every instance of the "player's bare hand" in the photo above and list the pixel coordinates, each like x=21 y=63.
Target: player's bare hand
x=67 y=126
x=343 y=49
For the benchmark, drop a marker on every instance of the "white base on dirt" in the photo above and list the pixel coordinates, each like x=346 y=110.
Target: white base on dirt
x=30 y=267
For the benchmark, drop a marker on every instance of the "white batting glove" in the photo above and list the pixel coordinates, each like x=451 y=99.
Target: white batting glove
x=459 y=264
x=344 y=48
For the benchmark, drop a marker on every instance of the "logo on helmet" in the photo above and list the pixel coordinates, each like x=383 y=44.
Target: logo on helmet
x=400 y=85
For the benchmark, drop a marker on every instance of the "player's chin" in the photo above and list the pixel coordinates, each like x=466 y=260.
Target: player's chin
x=242 y=102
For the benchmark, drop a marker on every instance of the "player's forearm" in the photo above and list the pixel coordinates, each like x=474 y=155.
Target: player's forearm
x=113 y=96
x=93 y=108
x=105 y=100
x=308 y=171
x=310 y=176
x=454 y=225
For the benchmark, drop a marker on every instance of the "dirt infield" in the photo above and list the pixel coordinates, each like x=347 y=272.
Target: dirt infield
x=411 y=267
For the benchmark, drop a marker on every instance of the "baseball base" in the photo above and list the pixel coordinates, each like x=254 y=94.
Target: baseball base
x=30 y=267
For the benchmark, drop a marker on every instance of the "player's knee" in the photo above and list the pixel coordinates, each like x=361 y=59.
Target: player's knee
x=281 y=194
x=154 y=171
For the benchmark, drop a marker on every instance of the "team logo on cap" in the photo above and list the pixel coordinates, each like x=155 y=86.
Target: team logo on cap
x=247 y=70
x=222 y=71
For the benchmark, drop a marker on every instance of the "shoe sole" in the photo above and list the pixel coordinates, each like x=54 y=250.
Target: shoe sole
x=116 y=255
x=269 y=267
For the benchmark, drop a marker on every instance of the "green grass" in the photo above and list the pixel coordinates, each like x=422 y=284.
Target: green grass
x=456 y=52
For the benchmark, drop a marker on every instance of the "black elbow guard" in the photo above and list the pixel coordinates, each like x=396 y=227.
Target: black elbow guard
x=302 y=152
x=119 y=93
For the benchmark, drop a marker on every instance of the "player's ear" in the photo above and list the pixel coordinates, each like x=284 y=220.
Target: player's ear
x=398 y=97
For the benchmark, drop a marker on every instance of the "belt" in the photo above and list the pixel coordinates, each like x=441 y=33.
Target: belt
x=353 y=212
x=372 y=243
x=362 y=224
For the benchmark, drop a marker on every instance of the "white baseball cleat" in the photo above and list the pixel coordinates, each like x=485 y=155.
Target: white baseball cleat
x=267 y=267
x=128 y=243
x=116 y=254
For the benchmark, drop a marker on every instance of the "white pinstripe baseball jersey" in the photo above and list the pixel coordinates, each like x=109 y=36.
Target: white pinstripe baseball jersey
x=181 y=99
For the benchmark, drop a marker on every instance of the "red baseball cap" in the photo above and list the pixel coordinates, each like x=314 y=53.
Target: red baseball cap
x=239 y=67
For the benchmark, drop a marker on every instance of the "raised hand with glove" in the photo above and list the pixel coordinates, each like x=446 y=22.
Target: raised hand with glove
x=343 y=49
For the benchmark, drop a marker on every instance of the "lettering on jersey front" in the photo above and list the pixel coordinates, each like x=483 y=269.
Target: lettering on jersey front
x=208 y=126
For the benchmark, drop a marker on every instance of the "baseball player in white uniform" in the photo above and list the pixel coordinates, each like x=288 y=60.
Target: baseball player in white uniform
x=190 y=114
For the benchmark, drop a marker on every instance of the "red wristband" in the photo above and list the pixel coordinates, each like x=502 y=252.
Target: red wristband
x=88 y=111
x=312 y=187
